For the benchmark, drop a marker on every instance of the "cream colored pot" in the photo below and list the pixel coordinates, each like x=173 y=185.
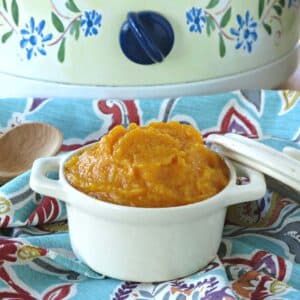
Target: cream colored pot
x=144 y=244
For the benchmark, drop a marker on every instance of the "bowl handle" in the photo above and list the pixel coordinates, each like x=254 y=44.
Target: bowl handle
x=255 y=189
x=39 y=181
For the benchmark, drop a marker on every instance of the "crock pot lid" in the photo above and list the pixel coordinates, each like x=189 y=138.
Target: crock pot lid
x=282 y=166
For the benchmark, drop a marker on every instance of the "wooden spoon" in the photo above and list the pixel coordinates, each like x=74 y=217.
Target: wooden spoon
x=20 y=146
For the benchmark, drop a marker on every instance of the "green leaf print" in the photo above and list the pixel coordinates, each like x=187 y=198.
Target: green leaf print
x=278 y=10
x=261 y=6
x=57 y=23
x=212 y=4
x=61 y=51
x=210 y=25
x=75 y=29
x=15 y=12
x=268 y=28
x=226 y=18
x=4 y=4
x=6 y=36
x=222 y=46
x=72 y=6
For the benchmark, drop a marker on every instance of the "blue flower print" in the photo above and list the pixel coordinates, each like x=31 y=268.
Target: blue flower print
x=33 y=39
x=196 y=19
x=246 y=32
x=90 y=22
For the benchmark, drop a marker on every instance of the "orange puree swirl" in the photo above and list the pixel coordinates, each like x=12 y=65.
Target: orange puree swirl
x=159 y=165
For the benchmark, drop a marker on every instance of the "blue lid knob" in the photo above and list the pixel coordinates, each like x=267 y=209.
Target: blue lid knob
x=146 y=37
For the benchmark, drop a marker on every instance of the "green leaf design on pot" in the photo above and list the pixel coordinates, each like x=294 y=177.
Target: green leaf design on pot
x=278 y=9
x=57 y=22
x=212 y=4
x=261 y=5
x=282 y=3
x=72 y=6
x=268 y=28
x=75 y=29
x=15 y=11
x=222 y=46
x=61 y=51
x=6 y=36
x=226 y=18
x=4 y=5
x=210 y=25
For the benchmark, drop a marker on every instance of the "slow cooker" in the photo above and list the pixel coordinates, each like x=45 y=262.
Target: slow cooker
x=146 y=48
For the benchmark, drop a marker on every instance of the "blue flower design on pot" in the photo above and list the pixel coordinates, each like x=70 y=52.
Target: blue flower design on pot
x=196 y=19
x=33 y=39
x=90 y=21
x=246 y=33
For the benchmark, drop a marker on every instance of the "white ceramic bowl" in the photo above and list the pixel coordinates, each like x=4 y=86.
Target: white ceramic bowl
x=144 y=244
x=220 y=44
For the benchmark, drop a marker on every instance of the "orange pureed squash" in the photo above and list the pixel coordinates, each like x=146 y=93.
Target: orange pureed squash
x=159 y=165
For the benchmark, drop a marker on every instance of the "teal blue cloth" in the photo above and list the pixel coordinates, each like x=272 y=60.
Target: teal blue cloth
x=259 y=257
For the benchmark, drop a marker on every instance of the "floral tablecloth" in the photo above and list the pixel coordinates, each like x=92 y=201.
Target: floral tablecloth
x=259 y=257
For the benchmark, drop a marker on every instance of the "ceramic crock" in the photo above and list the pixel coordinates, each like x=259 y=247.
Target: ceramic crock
x=98 y=43
x=144 y=244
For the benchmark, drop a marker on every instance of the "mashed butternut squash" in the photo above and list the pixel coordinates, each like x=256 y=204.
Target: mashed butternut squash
x=159 y=165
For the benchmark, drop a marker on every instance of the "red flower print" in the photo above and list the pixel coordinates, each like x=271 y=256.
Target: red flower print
x=58 y=293
x=47 y=212
x=123 y=112
x=235 y=122
x=262 y=261
x=8 y=250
